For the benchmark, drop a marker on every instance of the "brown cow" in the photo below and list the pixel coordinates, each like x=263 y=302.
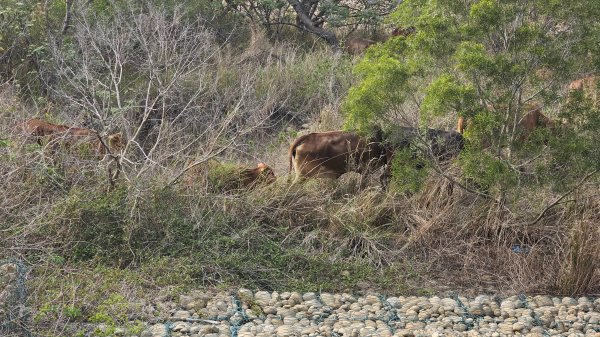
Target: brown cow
x=357 y=45
x=262 y=173
x=589 y=86
x=219 y=177
x=586 y=83
x=331 y=154
x=40 y=129
x=532 y=120
x=461 y=125
x=69 y=136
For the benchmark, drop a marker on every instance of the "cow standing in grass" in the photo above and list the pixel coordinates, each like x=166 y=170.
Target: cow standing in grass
x=532 y=120
x=589 y=86
x=331 y=154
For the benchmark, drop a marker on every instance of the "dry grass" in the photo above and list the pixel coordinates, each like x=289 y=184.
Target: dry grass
x=58 y=213
x=579 y=270
x=455 y=239
x=459 y=241
x=481 y=246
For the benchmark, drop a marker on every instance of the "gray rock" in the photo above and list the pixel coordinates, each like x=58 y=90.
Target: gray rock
x=182 y=327
x=155 y=330
x=309 y=297
x=263 y=298
x=181 y=315
x=245 y=294
x=325 y=314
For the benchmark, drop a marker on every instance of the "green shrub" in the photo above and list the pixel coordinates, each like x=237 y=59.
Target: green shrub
x=96 y=225
x=409 y=171
x=453 y=67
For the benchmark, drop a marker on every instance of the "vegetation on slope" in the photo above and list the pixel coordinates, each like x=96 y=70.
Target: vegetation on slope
x=190 y=84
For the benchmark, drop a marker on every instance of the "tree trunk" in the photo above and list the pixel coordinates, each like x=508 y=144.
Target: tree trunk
x=67 y=19
x=309 y=25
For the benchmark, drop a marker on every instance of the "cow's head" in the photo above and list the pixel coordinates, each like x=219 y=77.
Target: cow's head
x=265 y=172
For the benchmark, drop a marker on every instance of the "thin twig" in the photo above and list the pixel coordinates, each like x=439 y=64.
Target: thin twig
x=196 y=163
x=557 y=201
x=454 y=181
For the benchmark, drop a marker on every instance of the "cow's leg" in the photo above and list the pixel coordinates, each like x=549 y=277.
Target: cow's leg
x=308 y=168
x=297 y=179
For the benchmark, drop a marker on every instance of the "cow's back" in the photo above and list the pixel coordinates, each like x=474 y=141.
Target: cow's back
x=38 y=127
x=40 y=130
x=252 y=176
x=587 y=84
x=330 y=143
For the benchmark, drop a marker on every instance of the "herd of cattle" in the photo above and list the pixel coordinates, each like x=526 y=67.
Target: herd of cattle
x=317 y=154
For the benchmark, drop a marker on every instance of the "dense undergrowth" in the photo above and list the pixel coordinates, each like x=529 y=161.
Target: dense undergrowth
x=85 y=242
x=99 y=247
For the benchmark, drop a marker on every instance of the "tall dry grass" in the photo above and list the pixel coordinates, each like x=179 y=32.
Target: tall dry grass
x=60 y=216
x=458 y=240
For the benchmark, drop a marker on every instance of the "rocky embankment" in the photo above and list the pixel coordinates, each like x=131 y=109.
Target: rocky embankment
x=261 y=313
x=247 y=313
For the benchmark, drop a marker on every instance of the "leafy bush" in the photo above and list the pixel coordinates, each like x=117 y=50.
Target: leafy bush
x=94 y=225
x=408 y=171
x=455 y=66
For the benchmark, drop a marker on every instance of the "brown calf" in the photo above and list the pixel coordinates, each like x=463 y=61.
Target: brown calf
x=218 y=177
x=252 y=176
x=68 y=136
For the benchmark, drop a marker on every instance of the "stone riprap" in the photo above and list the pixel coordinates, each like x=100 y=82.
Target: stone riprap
x=261 y=313
x=13 y=312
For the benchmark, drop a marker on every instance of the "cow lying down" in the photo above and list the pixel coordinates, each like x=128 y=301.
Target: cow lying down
x=227 y=177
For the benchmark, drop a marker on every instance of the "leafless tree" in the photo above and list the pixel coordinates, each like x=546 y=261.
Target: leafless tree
x=159 y=78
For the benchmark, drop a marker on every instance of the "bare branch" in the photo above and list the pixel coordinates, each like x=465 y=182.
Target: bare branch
x=307 y=22
x=557 y=201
